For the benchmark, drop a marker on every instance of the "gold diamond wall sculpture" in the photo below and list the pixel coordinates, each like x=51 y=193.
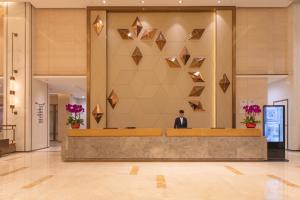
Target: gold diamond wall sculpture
x=224 y=83
x=197 y=62
x=97 y=113
x=125 y=34
x=137 y=26
x=161 y=41
x=197 y=34
x=148 y=34
x=137 y=55
x=196 y=91
x=173 y=62
x=196 y=106
x=185 y=55
x=196 y=76
x=98 y=25
x=113 y=99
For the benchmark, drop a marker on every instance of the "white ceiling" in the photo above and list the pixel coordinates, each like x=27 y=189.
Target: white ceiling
x=73 y=85
x=86 y=3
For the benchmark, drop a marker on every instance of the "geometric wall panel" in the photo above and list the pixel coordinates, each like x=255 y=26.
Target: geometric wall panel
x=224 y=83
x=98 y=25
x=148 y=34
x=137 y=26
x=196 y=91
x=197 y=62
x=173 y=62
x=137 y=55
x=197 y=34
x=196 y=106
x=185 y=55
x=113 y=99
x=161 y=41
x=125 y=34
x=97 y=113
x=196 y=76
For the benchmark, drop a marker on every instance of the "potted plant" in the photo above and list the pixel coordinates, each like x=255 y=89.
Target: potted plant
x=74 y=119
x=251 y=111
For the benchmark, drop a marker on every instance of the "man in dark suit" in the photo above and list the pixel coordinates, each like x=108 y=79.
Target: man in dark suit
x=180 y=122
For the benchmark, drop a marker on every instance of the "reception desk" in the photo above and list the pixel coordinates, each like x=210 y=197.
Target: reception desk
x=173 y=145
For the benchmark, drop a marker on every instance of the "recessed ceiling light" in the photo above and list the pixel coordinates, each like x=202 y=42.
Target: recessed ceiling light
x=180 y=1
x=142 y=1
x=219 y=1
x=104 y=1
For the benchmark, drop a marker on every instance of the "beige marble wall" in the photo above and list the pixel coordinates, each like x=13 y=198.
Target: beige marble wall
x=40 y=129
x=261 y=40
x=59 y=42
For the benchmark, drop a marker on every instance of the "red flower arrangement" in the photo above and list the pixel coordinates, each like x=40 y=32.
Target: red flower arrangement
x=251 y=111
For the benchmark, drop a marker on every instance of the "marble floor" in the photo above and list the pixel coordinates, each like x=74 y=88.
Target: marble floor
x=42 y=175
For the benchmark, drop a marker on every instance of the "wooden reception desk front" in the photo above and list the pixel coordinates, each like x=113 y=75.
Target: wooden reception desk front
x=175 y=145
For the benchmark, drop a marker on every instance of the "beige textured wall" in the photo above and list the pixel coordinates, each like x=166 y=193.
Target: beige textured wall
x=261 y=41
x=224 y=66
x=152 y=93
x=63 y=100
x=59 y=42
x=250 y=90
x=1 y=39
x=98 y=68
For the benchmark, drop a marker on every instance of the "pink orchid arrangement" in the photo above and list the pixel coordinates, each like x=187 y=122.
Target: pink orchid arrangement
x=251 y=111
x=75 y=111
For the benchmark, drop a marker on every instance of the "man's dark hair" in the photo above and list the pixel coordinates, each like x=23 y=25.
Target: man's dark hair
x=181 y=111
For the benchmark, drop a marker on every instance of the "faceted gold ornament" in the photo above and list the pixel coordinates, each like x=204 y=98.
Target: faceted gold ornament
x=97 y=113
x=196 y=106
x=113 y=99
x=98 y=25
x=185 y=55
x=196 y=76
x=161 y=41
x=224 y=83
x=197 y=62
x=196 y=91
x=173 y=62
x=197 y=34
x=137 y=26
x=137 y=55
x=148 y=34
x=125 y=34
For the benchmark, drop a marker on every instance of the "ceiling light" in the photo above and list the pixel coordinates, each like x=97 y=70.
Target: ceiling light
x=142 y=1
x=180 y=1
x=219 y=1
x=104 y=1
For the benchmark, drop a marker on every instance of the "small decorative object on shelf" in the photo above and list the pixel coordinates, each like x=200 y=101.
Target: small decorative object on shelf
x=74 y=119
x=251 y=111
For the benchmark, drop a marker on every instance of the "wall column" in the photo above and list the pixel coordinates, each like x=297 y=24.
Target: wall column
x=18 y=20
x=294 y=59
x=96 y=68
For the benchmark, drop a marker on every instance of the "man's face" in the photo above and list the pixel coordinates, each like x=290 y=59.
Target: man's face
x=181 y=114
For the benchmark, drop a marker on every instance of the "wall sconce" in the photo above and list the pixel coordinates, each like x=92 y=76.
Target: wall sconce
x=12 y=79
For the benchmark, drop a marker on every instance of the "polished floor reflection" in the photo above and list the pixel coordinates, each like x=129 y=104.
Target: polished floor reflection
x=42 y=175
